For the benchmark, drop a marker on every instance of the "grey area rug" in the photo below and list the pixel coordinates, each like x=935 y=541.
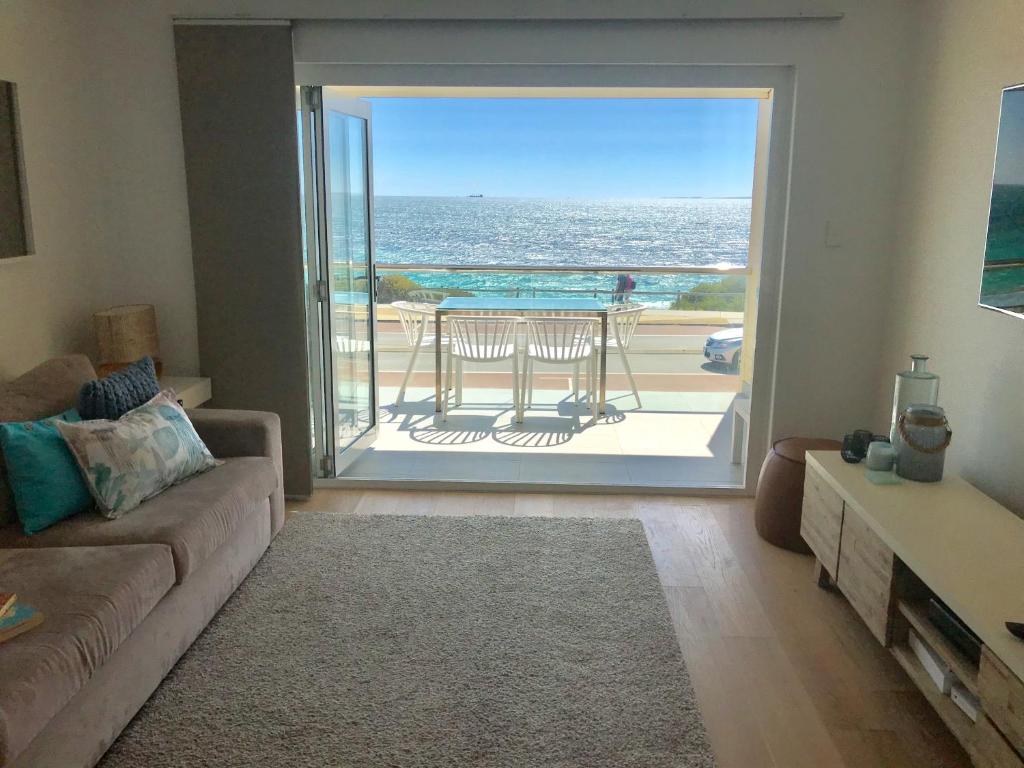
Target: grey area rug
x=430 y=641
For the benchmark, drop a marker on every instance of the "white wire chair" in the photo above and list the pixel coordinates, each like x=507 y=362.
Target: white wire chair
x=481 y=339
x=561 y=341
x=623 y=320
x=426 y=296
x=415 y=319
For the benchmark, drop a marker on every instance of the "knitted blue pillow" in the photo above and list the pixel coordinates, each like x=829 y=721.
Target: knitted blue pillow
x=112 y=397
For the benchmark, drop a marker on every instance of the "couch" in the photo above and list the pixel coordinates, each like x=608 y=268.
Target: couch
x=123 y=599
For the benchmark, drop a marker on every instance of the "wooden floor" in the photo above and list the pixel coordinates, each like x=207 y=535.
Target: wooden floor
x=785 y=673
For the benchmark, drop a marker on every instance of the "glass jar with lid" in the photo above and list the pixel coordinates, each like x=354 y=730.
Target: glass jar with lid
x=923 y=435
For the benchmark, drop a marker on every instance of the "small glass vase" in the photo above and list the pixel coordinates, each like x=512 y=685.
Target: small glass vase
x=918 y=386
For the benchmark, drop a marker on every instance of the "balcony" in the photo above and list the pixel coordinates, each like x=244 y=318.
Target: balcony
x=681 y=435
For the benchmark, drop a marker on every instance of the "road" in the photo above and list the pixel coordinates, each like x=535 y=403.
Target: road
x=663 y=358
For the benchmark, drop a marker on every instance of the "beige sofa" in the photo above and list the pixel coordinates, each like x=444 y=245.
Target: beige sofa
x=123 y=599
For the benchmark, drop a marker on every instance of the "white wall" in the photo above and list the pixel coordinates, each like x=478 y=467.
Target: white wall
x=968 y=55
x=44 y=298
x=104 y=161
x=102 y=142
x=120 y=99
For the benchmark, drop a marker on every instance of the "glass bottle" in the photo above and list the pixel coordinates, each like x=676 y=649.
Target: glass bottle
x=918 y=386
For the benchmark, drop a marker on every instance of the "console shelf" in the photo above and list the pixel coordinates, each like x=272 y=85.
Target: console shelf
x=915 y=612
x=958 y=723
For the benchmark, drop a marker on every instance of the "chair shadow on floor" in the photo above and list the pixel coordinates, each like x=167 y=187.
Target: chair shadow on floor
x=555 y=444
x=543 y=426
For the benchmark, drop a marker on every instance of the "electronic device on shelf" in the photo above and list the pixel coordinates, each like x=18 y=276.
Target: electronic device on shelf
x=954 y=630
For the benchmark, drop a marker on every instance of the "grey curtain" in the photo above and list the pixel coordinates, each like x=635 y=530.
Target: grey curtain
x=238 y=121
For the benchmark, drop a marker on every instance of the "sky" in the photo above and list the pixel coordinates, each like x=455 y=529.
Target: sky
x=1010 y=152
x=578 y=148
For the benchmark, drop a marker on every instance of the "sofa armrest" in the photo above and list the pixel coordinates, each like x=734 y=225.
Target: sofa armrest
x=231 y=433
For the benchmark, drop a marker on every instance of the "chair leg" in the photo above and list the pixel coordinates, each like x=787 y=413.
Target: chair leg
x=458 y=381
x=517 y=394
x=529 y=382
x=447 y=386
x=592 y=387
x=522 y=384
x=576 y=383
x=408 y=374
x=590 y=374
x=629 y=374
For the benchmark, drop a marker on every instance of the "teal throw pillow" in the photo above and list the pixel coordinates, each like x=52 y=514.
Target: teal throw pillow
x=44 y=477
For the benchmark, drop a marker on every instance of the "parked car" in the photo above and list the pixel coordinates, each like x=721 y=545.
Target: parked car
x=725 y=347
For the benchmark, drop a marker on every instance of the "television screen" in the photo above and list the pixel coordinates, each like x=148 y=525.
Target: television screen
x=1002 y=280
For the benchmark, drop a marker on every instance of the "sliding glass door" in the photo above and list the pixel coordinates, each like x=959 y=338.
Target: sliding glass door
x=338 y=189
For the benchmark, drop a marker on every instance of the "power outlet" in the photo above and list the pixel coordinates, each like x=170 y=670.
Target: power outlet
x=833 y=238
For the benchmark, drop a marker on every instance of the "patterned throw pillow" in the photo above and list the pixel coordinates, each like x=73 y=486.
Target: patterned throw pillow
x=114 y=396
x=147 y=450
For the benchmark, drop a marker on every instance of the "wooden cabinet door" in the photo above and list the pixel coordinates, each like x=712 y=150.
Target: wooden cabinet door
x=1002 y=697
x=821 y=519
x=989 y=749
x=865 y=575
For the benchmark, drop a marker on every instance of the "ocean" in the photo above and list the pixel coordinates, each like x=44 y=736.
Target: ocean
x=502 y=231
x=1002 y=282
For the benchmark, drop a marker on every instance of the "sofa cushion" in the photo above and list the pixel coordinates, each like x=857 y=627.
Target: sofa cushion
x=45 y=390
x=193 y=518
x=92 y=598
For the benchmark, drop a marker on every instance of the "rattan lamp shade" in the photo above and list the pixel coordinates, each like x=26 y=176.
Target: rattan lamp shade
x=125 y=334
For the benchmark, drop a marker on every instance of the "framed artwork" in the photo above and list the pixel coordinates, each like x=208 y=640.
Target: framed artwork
x=1002 y=275
x=15 y=223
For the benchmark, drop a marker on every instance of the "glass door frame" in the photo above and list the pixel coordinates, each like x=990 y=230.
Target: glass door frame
x=329 y=461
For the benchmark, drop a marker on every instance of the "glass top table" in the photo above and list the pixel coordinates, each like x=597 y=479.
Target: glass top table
x=467 y=305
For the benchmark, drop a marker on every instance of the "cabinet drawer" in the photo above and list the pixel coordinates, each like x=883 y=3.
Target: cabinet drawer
x=1002 y=698
x=821 y=520
x=990 y=750
x=819 y=485
x=865 y=575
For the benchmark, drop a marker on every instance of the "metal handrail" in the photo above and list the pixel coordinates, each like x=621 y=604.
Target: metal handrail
x=595 y=292
x=533 y=291
x=681 y=270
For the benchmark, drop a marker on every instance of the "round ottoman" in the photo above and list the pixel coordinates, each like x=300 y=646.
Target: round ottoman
x=780 y=491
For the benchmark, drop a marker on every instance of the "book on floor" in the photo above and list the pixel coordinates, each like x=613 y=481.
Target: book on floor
x=21 y=619
x=7 y=600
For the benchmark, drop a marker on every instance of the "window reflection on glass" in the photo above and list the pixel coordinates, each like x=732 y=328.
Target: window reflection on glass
x=349 y=216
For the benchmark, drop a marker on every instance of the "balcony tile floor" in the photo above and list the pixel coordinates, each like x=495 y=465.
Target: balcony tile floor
x=678 y=440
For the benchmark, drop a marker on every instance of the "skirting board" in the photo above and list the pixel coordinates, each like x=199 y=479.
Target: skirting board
x=355 y=483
